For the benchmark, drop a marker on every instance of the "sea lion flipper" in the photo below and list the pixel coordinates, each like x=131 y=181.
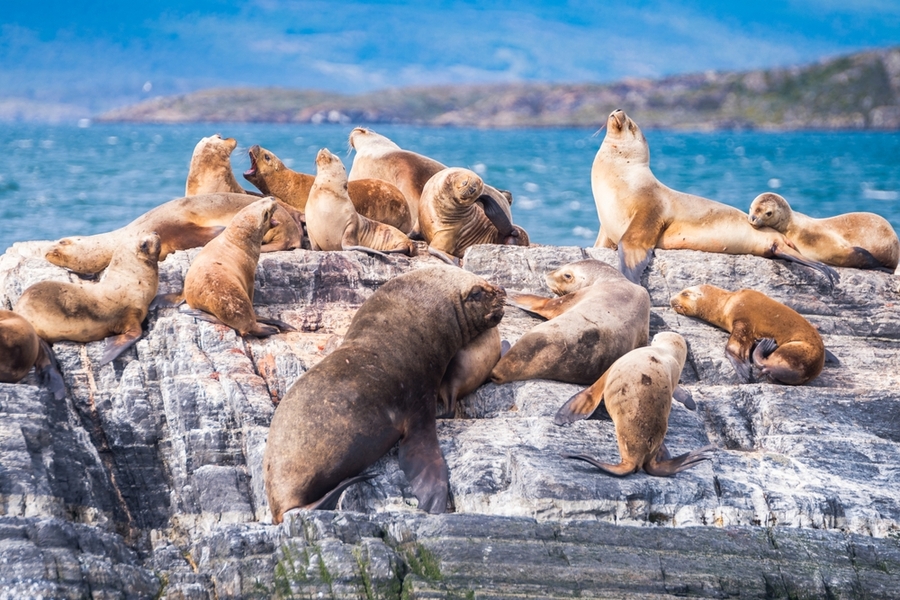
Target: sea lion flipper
x=117 y=344
x=366 y=249
x=277 y=323
x=683 y=395
x=424 y=466
x=619 y=470
x=666 y=467
x=504 y=348
x=329 y=501
x=792 y=255
x=48 y=372
x=831 y=358
x=167 y=300
x=498 y=217
x=200 y=314
x=583 y=404
x=764 y=347
x=633 y=261
x=737 y=350
x=450 y=260
x=541 y=306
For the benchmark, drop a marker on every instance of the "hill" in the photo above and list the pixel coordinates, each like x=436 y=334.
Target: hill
x=855 y=92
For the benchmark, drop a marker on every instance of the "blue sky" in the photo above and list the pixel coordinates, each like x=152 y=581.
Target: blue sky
x=102 y=54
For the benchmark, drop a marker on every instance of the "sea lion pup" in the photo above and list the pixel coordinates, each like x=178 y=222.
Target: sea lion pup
x=377 y=157
x=112 y=307
x=637 y=390
x=450 y=217
x=469 y=368
x=332 y=221
x=373 y=198
x=638 y=213
x=378 y=387
x=220 y=279
x=181 y=224
x=598 y=317
x=862 y=240
x=764 y=333
x=210 y=169
x=21 y=349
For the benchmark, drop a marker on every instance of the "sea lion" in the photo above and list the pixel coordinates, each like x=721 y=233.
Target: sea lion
x=210 y=169
x=373 y=198
x=181 y=224
x=450 y=218
x=764 y=333
x=21 y=348
x=637 y=391
x=219 y=281
x=379 y=386
x=860 y=239
x=638 y=213
x=468 y=369
x=599 y=316
x=377 y=157
x=332 y=221
x=112 y=307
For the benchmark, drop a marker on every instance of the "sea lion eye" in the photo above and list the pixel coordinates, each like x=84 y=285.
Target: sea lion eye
x=567 y=276
x=475 y=294
x=768 y=213
x=267 y=157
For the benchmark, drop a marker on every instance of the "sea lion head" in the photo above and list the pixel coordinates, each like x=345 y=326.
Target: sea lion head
x=625 y=138
x=365 y=141
x=262 y=163
x=463 y=185
x=577 y=275
x=482 y=306
x=214 y=147
x=254 y=220
x=699 y=300
x=770 y=210
x=148 y=248
x=671 y=343
x=82 y=254
x=330 y=167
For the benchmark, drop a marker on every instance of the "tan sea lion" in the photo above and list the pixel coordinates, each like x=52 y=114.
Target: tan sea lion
x=764 y=333
x=21 y=349
x=220 y=279
x=599 y=317
x=468 y=369
x=112 y=307
x=450 y=218
x=637 y=391
x=638 y=213
x=377 y=157
x=373 y=198
x=862 y=240
x=378 y=387
x=210 y=169
x=332 y=221
x=181 y=224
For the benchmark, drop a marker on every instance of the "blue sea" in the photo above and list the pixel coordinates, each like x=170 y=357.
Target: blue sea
x=61 y=180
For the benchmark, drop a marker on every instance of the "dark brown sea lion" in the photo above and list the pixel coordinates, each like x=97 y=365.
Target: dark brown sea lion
x=637 y=391
x=600 y=316
x=638 y=213
x=860 y=239
x=373 y=198
x=21 y=349
x=112 y=307
x=181 y=224
x=378 y=387
x=764 y=333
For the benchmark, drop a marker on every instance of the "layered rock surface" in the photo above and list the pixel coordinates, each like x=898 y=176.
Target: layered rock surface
x=146 y=479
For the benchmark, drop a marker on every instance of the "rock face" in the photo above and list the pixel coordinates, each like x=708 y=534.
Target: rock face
x=145 y=481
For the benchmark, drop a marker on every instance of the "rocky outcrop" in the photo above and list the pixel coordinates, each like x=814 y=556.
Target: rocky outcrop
x=145 y=479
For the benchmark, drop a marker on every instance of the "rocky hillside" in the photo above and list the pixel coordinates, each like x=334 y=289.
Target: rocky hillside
x=145 y=480
x=860 y=91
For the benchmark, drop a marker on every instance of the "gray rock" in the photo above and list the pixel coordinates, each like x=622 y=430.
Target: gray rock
x=146 y=479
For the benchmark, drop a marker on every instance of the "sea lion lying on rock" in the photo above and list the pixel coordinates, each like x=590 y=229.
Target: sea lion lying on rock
x=21 y=348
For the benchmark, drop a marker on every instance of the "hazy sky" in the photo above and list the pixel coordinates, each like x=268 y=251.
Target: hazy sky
x=103 y=53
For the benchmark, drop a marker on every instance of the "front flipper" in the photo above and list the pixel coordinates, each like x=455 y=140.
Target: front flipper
x=117 y=344
x=663 y=466
x=583 y=404
x=424 y=466
x=48 y=372
x=787 y=253
x=541 y=306
x=633 y=261
x=619 y=470
x=683 y=395
x=329 y=501
x=450 y=260
x=275 y=322
x=737 y=350
x=498 y=217
x=200 y=314
x=167 y=300
x=831 y=358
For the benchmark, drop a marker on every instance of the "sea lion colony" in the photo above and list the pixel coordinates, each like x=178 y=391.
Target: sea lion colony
x=449 y=313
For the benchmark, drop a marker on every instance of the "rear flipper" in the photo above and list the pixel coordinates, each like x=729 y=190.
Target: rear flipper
x=200 y=314
x=329 y=501
x=863 y=259
x=831 y=358
x=424 y=466
x=117 y=344
x=684 y=396
x=663 y=466
x=764 y=348
x=367 y=250
x=48 y=372
x=620 y=470
x=833 y=276
x=583 y=404
x=742 y=368
x=275 y=322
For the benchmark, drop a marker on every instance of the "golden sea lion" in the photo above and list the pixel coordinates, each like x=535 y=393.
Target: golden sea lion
x=468 y=369
x=210 y=169
x=332 y=221
x=220 y=279
x=112 y=307
x=599 y=317
x=373 y=198
x=378 y=387
x=764 y=333
x=181 y=224
x=860 y=239
x=21 y=348
x=637 y=391
x=638 y=213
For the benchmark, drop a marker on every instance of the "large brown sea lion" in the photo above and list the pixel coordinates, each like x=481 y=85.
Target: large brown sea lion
x=637 y=391
x=111 y=308
x=332 y=221
x=378 y=387
x=21 y=348
x=220 y=279
x=181 y=224
x=765 y=333
x=599 y=317
x=638 y=213
x=373 y=198
x=859 y=239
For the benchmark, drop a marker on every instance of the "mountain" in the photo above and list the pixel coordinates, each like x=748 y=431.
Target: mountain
x=858 y=91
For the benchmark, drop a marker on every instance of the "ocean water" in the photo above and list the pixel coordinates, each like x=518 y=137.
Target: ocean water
x=57 y=180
